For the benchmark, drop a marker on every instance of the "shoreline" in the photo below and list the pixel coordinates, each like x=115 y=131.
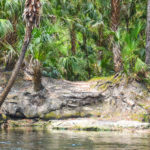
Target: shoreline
x=79 y=124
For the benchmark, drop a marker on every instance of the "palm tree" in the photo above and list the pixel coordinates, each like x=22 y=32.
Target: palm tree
x=147 y=60
x=73 y=39
x=115 y=19
x=32 y=17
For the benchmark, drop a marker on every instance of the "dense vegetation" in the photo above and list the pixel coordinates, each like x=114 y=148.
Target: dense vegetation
x=78 y=39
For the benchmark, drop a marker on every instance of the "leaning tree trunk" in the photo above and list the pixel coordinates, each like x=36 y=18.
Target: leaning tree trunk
x=115 y=19
x=32 y=18
x=147 y=60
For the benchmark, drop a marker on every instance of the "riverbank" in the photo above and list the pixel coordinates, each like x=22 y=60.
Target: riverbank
x=106 y=103
x=81 y=124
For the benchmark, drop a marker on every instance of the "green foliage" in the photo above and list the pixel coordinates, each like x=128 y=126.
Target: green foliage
x=140 y=66
x=5 y=27
x=132 y=49
x=51 y=43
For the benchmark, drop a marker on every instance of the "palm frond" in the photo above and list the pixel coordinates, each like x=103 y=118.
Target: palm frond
x=5 y=27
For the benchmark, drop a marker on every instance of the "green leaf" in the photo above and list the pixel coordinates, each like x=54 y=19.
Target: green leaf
x=5 y=27
x=140 y=66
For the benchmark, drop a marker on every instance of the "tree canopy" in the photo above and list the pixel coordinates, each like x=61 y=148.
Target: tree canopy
x=76 y=38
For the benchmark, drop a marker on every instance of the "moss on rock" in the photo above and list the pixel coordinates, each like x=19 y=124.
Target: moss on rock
x=146 y=118
x=51 y=115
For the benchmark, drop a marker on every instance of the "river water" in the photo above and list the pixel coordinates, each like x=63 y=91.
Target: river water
x=29 y=139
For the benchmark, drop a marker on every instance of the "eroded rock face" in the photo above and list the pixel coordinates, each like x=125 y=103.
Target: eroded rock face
x=104 y=98
x=59 y=99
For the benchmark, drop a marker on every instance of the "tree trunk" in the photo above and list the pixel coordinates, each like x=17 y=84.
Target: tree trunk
x=31 y=16
x=37 y=78
x=117 y=57
x=115 y=19
x=85 y=43
x=17 y=67
x=73 y=40
x=147 y=60
x=100 y=36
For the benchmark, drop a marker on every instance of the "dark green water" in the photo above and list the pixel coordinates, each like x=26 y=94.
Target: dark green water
x=29 y=139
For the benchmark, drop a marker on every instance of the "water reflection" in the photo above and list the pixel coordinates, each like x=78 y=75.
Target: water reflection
x=29 y=139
